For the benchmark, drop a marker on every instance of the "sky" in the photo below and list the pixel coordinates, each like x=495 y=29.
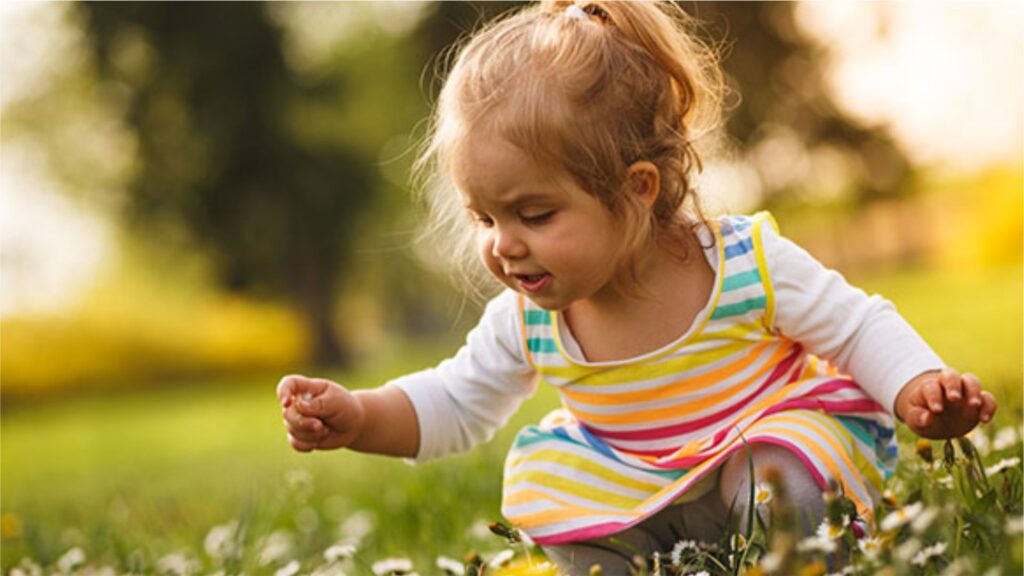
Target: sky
x=947 y=78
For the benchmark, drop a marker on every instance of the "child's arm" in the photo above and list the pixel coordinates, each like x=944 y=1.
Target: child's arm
x=944 y=404
x=322 y=415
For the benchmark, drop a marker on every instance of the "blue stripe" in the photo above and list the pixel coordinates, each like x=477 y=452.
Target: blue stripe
x=542 y=345
x=739 y=308
x=739 y=248
x=740 y=280
x=597 y=444
x=537 y=317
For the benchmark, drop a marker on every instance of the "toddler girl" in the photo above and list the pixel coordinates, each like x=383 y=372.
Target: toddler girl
x=567 y=135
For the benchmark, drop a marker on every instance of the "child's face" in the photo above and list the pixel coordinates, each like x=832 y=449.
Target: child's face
x=538 y=233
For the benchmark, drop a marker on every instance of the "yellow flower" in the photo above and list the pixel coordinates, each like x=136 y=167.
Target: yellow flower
x=816 y=568
x=524 y=567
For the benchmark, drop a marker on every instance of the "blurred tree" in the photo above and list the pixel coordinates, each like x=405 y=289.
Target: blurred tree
x=208 y=93
x=781 y=94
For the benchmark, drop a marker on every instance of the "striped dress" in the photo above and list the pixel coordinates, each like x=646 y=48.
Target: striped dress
x=637 y=435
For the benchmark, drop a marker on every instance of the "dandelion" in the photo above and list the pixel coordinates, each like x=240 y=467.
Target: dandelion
x=450 y=566
x=178 y=564
x=1005 y=438
x=339 y=552
x=392 y=566
x=830 y=530
x=816 y=544
x=71 y=559
x=1003 y=464
x=922 y=557
x=501 y=558
x=274 y=548
x=762 y=493
x=901 y=517
x=220 y=541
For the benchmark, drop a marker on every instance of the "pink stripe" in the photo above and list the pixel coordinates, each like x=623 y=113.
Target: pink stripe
x=678 y=429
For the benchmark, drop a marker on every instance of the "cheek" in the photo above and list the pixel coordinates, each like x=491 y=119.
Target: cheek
x=484 y=249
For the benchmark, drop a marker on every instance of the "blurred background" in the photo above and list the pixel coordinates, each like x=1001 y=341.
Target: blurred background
x=199 y=198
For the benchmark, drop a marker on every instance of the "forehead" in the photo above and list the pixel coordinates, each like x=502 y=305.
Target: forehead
x=486 y=166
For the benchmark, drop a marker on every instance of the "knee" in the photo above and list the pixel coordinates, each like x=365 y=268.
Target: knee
x=788 y=472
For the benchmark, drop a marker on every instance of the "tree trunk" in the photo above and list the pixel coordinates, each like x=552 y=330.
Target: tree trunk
x=315 y=294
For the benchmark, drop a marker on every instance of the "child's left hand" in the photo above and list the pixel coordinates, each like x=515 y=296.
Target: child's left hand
x=940 y=405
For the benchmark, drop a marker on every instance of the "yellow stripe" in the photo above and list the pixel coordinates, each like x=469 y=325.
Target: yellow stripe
x=629 y=373
x=866 y=467
x=682 y=409
x=565 y=511
x=667 y=390
x=568 y=486
x=582 y=464
x=762 y=265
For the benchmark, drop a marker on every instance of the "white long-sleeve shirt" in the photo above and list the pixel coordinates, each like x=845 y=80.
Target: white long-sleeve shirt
x=466 y=398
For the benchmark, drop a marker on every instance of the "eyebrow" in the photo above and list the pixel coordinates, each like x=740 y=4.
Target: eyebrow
x=521 y=199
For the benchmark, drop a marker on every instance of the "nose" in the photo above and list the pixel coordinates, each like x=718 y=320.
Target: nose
x=507 y=245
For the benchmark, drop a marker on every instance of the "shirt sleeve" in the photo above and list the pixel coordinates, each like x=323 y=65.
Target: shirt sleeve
x=465 y=399
x=864 y=336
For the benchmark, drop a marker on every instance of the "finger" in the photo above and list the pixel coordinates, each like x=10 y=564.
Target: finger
x=988 y=406
x=300 y=445
x=286 y=387
x=304 y=426
x=972 y=390
x=918 y=417
x=326 y=403
x=932 y=393
x=950 y=381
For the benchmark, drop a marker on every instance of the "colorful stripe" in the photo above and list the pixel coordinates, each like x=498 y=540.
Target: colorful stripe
x=637 y=435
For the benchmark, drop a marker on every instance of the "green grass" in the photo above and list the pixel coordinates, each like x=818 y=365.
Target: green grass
x=131 y=477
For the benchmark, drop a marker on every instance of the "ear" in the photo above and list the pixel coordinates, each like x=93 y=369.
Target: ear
x=644 y=181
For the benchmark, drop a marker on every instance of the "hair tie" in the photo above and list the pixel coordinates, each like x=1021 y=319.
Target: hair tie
x=576 y=13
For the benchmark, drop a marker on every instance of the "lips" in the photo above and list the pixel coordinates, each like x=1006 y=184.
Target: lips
x=532 y=283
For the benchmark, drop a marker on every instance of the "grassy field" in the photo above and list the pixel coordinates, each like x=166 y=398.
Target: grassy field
x=135 y=477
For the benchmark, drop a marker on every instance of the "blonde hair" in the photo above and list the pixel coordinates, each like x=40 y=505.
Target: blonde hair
x=590 y=96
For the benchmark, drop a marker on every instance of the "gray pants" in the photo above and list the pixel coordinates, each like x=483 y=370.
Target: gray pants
x=705 y=519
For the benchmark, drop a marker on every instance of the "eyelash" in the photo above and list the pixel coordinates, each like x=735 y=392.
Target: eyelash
x=528 y=220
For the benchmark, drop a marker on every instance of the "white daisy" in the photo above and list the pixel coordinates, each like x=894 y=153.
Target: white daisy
x=220 y=541
x=178 y=564
x=816 y=544
x=274 y=547
x=762 y=493
x=1003 y=464
x=339 y=552
x=501 y=558
x=924 y=519
x=922 y=557
x=901 y=517
x=830 y=531
x=870 y=547
x=680 y=548
x=289 y=569
x=1005 y=438
x=451 y=566
x=356 y=527
x=392 y=566
x=71 y=559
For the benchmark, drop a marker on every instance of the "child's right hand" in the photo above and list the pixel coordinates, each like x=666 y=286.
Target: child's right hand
x=319 y=414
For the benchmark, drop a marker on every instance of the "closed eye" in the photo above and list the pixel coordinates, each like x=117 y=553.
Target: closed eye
x=537 y=219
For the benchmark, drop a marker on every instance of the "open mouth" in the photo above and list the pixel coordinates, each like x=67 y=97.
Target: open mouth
x=532 y=282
